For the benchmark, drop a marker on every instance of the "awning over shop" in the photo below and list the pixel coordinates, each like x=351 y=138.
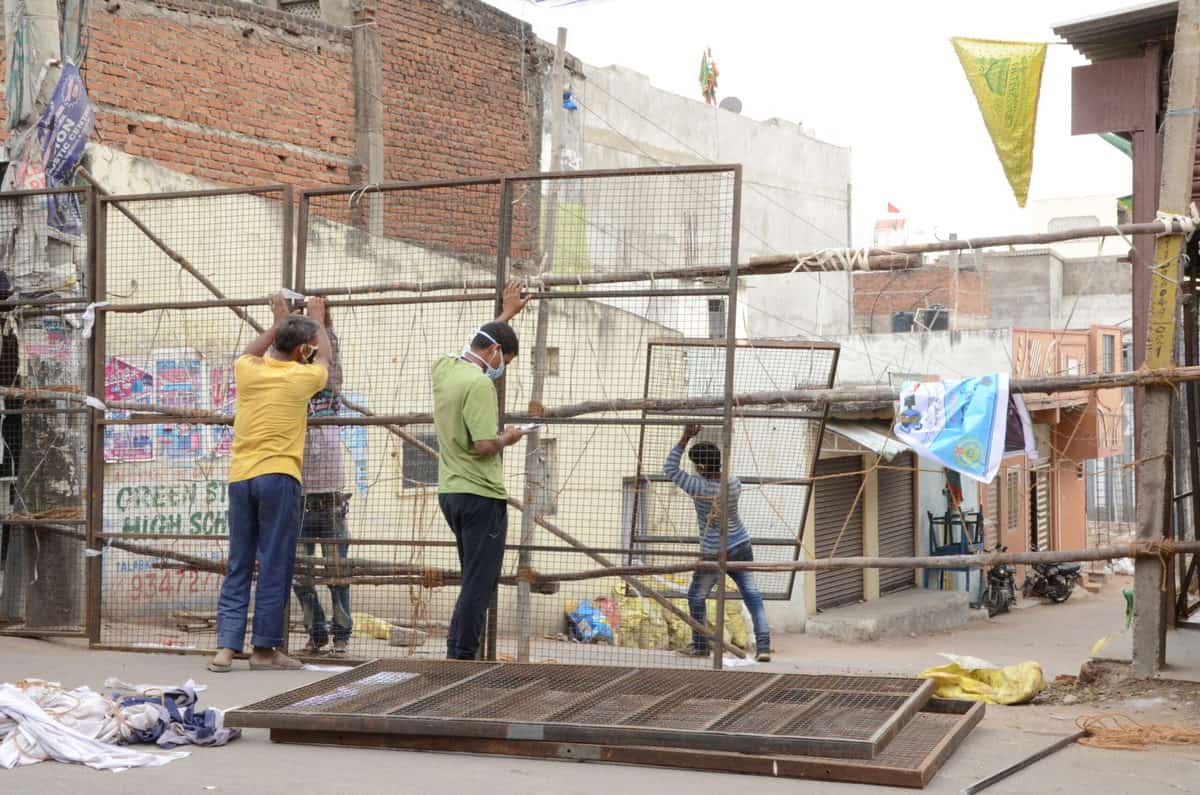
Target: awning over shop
x=872 y=436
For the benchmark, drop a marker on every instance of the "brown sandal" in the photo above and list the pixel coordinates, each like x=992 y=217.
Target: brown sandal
x=279 y=662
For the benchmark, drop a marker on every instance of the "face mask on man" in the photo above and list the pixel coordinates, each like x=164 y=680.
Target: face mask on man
x=491 y=372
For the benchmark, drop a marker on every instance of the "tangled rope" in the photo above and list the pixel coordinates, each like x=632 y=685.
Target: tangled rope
x=1118 y=732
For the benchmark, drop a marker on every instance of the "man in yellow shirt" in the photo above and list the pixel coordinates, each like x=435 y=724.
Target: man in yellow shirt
x=273 y=389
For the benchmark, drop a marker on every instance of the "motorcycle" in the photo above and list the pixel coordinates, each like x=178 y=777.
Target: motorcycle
x=999 y=593
x=1053 y=581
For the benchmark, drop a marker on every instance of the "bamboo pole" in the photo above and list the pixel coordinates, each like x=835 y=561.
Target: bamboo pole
x=821 y=260
x=1141 y=549
x=841 y=395
x=394 y=574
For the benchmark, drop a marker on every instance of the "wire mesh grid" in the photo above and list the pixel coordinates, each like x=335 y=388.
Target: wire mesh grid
x=408 y=273
x=774 y=449
x=405 y=292
x=166 y=260
x=628 y=701
x=44 y=282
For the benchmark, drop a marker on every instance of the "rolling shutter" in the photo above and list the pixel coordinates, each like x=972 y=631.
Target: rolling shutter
x=834 y=499
x=896 y=521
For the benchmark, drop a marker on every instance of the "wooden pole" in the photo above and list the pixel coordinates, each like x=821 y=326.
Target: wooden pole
x=537 y=481
x=1174 y=196
x=822 y=260
x=871 y=396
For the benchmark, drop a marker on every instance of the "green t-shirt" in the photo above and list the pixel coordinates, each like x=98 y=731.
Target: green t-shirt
x=465 y=411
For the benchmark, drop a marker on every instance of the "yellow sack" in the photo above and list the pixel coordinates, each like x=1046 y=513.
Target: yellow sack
x=368 y=626
x=1012 y=684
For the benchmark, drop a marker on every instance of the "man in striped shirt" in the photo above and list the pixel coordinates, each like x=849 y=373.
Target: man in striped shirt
x=705 y=491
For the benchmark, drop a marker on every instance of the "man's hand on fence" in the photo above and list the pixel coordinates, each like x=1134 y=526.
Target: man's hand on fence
x=512 y=301
x=279 y=307
x=316 y=310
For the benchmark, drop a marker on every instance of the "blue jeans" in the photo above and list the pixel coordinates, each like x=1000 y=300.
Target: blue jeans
x=704 y=581
x=480 y=527
x=264 y=523
x=325 y=520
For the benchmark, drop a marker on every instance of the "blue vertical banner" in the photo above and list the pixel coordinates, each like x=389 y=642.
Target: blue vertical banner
x=63 y=132
x=959 y=424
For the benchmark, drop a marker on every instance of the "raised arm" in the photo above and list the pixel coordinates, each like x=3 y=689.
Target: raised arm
x=259 y=345
x=691 y=484
x=316 y=311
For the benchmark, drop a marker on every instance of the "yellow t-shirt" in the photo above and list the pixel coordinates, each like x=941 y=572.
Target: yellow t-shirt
x=272 y=415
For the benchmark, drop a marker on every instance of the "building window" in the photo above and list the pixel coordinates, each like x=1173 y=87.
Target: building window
x=552 y=361
x=1109 y=351
x=716 y=318
x=419 y=469
x=546 y=491
x=1014 y=500
x=1072 y=222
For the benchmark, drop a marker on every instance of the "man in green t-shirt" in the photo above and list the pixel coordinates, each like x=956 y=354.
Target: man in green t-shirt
x=471 y=492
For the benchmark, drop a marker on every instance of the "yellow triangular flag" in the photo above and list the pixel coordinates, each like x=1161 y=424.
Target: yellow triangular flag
x=1006 y=77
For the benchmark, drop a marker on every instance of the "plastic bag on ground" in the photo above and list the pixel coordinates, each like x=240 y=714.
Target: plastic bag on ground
x=588 y=624
x=1012 y=684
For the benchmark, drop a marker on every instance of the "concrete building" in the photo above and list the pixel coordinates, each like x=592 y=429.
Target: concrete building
x=796 y=191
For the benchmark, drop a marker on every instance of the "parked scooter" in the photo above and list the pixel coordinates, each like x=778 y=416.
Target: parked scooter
x=1053 y=581
x=999 y=592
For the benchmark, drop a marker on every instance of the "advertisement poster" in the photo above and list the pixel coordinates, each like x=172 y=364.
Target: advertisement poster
x=223 y=388
x=63 y=131
x=179 y=382
x=127 y=379
x=354 y=437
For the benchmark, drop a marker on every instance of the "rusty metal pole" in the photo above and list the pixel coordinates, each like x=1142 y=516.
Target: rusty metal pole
x=1175 y=192
x=98 y=288
x=503 y=250
x=537 y=483
x=718 y=648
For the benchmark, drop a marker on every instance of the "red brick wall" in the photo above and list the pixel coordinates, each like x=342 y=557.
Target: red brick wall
x=884 y=292
x=458 y=102
x=236 y=94
x=222 y=92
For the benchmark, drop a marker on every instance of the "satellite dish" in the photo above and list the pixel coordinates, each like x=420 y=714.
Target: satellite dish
x=731 y=104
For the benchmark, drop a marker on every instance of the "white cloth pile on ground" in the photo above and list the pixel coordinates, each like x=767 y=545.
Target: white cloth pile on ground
x=42 y=720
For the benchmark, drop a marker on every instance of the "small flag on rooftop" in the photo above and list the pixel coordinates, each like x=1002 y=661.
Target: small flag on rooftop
x=708 y=77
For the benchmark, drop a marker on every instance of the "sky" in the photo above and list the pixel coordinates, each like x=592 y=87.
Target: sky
x=878 y=76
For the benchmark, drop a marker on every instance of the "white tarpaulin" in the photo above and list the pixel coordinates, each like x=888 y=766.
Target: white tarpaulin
x=42 y=721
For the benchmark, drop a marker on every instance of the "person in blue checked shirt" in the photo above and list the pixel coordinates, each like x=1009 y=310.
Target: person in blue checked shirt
x=705 y=490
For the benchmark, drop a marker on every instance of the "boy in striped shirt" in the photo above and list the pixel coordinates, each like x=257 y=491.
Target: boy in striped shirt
x=705 y=491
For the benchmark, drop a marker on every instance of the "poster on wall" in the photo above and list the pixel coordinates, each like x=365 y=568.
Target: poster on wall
x=223 y=389
x=126 y=378
x=179 y=383
x=354 y=437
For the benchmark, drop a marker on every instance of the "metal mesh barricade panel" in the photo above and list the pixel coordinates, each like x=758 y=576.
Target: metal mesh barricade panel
x=840 y=716
x=187 y=278
x=409 y=272
x=774 y=448
x=45 y=242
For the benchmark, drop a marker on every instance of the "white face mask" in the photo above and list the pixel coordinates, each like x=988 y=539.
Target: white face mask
x=493 y=373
